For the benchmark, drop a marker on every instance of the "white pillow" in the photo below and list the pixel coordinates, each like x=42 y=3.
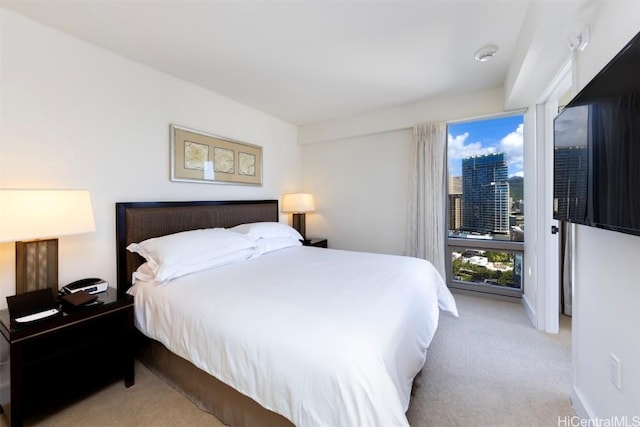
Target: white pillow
x=182 y=253
x=144 y=273
x=271 y=244
x=265 y=230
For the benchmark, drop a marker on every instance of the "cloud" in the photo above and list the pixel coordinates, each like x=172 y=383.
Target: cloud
x=458 y=150
x=511 y=145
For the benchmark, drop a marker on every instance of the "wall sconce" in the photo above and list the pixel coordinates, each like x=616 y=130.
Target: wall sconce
x=298 y=204
x=44 y=215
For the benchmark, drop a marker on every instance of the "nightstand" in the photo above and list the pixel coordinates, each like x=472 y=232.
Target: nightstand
x=56 y=361
x=315 y=241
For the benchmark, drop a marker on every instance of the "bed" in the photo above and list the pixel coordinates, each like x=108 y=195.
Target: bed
x=278 y=334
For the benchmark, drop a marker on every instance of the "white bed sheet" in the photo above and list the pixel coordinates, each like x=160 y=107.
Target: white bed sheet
x=323 y=337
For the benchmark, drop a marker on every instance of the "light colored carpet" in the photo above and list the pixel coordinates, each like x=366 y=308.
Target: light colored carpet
x=487 y=368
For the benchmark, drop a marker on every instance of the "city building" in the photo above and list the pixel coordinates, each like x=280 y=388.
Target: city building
x=455 y=202
x=570 y=183
x=485 y=194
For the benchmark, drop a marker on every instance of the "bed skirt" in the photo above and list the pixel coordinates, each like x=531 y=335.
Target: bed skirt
x=205 y=391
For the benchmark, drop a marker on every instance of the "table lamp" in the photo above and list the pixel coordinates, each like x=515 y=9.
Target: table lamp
x=298 y=204
x=34 y=219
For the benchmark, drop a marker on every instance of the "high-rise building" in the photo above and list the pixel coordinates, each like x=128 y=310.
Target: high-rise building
x=485 y=194
x=455 y=202
x=570 y=182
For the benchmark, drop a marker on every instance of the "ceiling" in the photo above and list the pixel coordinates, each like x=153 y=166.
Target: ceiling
x=304 y=62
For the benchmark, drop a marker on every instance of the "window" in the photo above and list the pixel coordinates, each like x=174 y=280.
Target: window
x=485 y=205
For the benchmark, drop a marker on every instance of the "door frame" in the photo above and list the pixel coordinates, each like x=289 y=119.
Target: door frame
x=546 y=317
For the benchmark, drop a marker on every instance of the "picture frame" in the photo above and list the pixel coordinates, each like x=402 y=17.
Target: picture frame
x=204 y=158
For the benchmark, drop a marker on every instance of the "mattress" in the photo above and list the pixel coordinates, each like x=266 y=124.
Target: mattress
x=320 y=336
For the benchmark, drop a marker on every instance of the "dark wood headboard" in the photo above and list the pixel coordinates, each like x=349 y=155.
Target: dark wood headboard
x=138 y=221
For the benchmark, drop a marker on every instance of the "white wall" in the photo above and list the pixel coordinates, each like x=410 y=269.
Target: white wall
x=606 y=304
x=360 y=190
x=464 y=106
x=73 y=115
x=606 y=319
x=359 y=173
x=539 y=51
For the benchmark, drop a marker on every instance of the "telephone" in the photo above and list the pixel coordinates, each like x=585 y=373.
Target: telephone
x=92 y=285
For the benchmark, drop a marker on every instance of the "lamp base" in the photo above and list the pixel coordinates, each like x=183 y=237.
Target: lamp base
x=36 y=265
x=299 y=224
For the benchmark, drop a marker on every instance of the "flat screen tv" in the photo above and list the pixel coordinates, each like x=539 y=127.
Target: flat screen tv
x=597 y=149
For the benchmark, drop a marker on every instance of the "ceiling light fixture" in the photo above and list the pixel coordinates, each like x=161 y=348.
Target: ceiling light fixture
x=486 y=53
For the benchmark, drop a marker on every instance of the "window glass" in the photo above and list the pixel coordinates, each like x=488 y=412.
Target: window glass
x=487 y=267
x=486 y=179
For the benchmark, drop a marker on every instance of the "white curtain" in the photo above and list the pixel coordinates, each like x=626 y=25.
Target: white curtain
x=427 y=195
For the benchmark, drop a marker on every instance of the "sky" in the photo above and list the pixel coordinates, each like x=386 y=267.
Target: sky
x=500 y=135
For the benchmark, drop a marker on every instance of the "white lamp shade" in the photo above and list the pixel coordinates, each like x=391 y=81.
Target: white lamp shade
x=39 y=214
x=297 y=202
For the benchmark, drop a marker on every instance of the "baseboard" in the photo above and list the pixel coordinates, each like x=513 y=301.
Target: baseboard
x=531 y=313
x=577 y=401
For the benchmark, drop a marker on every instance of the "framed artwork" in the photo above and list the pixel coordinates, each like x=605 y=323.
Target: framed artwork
x=199 y=157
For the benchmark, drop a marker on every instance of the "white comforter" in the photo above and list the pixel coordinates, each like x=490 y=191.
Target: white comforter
x=323 y=337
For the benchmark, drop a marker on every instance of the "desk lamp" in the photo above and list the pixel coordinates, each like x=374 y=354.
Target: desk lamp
x=298 y=204
x=43 y=215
